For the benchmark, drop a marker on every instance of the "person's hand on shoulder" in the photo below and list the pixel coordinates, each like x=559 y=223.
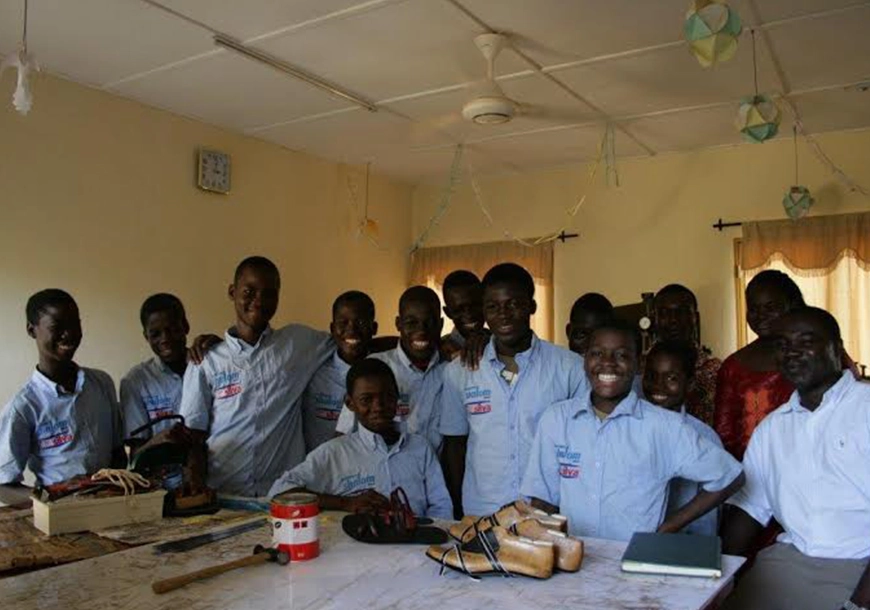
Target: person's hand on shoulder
x=201 y=346
x=472 y=352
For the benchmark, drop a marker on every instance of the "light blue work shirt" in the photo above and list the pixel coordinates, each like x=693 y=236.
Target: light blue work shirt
x=457 y=337
x=361 y=460
x=610 y=478
x=682 y=491
x=500 y=419
x=248 y=399
x=60 y=434
x=418 y=410
x=149 y=391
x=323 y=401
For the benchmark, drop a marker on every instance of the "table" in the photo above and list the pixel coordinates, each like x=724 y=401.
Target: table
x=348 y=575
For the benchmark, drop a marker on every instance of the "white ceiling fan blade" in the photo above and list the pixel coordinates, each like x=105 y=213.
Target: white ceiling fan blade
x=552 y=115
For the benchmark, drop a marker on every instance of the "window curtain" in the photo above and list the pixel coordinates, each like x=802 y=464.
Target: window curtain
x=429 y=267
x=829 y=259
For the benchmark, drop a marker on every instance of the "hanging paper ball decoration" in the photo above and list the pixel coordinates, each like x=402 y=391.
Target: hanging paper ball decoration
x=712 y=29
x=797 y=202
x=758 y=118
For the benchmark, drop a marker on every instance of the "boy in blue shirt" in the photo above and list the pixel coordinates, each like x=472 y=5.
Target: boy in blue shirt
x=152 y=389
x=463 y=304
x=358 y=471
x=352 y=328
x=669 y=368
x=604 y=459
x=489 y=415
x=65 y=421
x=415 y=364
x=245 y=397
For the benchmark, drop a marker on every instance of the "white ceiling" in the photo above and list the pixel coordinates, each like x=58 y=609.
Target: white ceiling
x=413 y=59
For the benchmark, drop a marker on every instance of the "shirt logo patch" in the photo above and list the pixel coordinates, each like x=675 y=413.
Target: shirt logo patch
x=227 y=384
x=54 y=434
x=403 y=408
x=327 y=414
x=478 y=401
x=158 y=406
x=355 y=483
x=569 y=462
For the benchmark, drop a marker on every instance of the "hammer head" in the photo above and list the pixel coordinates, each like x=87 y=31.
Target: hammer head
x=279 y=557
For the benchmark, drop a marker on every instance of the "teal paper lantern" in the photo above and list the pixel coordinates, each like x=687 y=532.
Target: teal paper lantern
x=797 y=202
x=712 y=29
x=758 y=118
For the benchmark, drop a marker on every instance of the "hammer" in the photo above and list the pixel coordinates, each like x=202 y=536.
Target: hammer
x=261 y=555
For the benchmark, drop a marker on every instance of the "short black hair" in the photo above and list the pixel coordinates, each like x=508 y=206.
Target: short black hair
x=460 y=278
x=420 y=294
x=685 y=352
x=779 y=281
x=677 y=290
x=161 y=301
x=510 y=273
x=261 y=263
x=354 y=297
x=594 y=303
x=824 y=318
x=622 y=326
x=42 y=300
x=369 y=367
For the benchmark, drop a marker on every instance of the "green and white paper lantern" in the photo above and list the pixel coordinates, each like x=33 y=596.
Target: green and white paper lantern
x=797 y=202
x=712 y=29
x=758 y=118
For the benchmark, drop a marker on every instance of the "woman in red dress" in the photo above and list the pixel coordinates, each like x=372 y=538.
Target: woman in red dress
x=749 y=385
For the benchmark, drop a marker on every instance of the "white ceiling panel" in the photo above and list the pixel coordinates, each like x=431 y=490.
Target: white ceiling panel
x=834 y=110
x=828 y=51
x=668 y=78
x=688 y=130
x=555 y=31
x=230 y=90
x=557 y=147
x=358 y=136
x=433 y=166
x=252 y=18
x=404 y=48
x=772 y=10
x=100 y=41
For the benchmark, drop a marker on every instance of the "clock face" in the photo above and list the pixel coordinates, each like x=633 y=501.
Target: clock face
x=214 y=171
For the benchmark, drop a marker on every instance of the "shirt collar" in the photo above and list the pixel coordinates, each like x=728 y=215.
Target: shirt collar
x=375 y=442
x=490 y=353
x=833 y=396
x=630 y=405
x=340 y=364
x=46 y=385
x=239 y=346
x=163 y=367
x=403 y=358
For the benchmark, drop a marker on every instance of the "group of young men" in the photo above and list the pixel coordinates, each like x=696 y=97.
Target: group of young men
x=472 y=421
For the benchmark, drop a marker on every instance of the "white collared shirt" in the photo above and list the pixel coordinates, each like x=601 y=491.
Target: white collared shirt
x=419 y=408
x=248 y=398
x=811 y=470
x=60 y=434
x=148 y=391
x=361 y=460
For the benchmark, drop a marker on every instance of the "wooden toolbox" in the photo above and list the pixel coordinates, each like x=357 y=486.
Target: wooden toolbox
x=73 y=514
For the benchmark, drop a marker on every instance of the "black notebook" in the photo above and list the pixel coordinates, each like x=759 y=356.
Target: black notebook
x=678 y=554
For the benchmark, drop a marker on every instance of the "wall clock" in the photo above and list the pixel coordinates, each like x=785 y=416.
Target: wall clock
x=213 y=171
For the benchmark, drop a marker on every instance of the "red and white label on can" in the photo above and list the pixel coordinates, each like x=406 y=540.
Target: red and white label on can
x=294 y=525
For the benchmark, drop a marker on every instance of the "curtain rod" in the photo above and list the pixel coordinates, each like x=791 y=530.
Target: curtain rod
x=720 y=226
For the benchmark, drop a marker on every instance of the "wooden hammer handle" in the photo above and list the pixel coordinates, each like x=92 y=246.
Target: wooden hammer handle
x=176 y=582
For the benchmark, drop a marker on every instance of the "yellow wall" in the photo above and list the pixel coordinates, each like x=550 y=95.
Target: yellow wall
x=97 y=196
x=655 y=228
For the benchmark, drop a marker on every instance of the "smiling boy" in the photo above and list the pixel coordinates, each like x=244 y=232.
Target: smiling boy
x=604 y=459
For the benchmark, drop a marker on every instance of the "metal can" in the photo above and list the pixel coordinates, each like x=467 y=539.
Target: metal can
x=294 y=525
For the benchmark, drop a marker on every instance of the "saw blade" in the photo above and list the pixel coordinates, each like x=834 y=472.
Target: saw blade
x=186 y=544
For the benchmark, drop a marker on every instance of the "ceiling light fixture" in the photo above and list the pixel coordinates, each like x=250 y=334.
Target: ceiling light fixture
x=273 y=62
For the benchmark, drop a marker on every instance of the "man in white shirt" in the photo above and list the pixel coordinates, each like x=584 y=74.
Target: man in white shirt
x=806 y=466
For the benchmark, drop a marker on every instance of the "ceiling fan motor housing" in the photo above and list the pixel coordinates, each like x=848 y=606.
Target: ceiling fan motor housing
x=489 y=110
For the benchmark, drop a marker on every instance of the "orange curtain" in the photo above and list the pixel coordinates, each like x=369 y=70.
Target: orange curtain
x=429 y=267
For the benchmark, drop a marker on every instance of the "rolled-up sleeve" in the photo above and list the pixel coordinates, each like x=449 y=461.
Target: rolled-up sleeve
x=541 y=478
x=697 y=459
x=304 y=475
x=454 y=418
x=15 y=435
x=752 y=497
x=438 y=502
x=196 y=399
